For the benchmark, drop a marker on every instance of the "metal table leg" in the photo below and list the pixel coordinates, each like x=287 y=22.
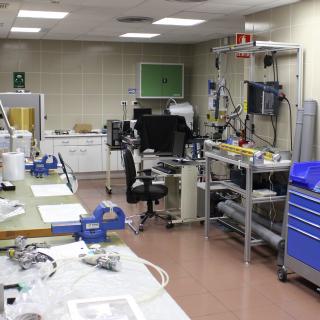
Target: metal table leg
x=207 y=198
x=248 y=217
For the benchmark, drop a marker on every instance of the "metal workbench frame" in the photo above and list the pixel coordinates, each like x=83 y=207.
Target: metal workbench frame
x=240 y=162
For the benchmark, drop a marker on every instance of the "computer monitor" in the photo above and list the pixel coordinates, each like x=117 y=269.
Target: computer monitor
x=178 y=144
x=138 y=112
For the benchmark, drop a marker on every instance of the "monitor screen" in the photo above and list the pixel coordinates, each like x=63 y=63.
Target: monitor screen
x=178 y=144
x=138 y=112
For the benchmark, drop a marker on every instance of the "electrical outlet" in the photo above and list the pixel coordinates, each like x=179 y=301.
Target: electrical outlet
x=124 y=103
x=134 y=103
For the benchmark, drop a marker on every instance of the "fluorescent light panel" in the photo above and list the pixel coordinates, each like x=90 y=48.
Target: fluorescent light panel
x=18 y=29
x=42 y=14
x=179 y=22
x=139 y=35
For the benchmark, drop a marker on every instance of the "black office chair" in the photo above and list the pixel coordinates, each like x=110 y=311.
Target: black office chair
x=148 y=192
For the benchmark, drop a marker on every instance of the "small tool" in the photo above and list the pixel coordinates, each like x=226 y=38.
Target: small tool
x=93 y=228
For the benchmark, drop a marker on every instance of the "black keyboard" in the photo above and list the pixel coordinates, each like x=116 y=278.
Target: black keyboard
x=165 y=169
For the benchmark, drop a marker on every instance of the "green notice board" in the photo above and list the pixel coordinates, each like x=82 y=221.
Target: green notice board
x=19 y=80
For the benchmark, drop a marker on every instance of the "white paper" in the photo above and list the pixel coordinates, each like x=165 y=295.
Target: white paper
x=61 y=212
x=50 y=190
x=66 y=251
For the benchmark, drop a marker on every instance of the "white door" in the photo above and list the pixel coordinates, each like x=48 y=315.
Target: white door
x=90 y=159
x=69 y=155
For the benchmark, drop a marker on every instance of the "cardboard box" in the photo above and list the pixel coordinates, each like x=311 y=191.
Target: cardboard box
x=82 y=127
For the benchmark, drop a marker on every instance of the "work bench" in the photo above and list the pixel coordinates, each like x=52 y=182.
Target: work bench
x=30 y=224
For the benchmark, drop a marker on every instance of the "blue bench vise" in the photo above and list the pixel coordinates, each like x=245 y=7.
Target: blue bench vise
x=40 y=167
x=93 y=228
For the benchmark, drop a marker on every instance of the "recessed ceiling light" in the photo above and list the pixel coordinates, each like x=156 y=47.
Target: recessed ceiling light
x=42 y=14
x=178 y=22
x=135 y=19
x=139 y=35
x=18 y=29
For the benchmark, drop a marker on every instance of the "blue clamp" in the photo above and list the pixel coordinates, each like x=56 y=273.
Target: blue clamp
x=93 y=228
x=40 y=167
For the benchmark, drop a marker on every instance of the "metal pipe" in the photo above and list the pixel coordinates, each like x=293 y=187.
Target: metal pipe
x=276 y=227
x=307 y=138
x=298 y=136
x=268 y=236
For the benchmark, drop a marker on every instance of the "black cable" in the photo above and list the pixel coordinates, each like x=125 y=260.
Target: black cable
x=290 y=113
x=241 y=121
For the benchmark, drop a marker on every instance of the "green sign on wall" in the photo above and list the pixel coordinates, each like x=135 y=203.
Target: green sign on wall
x=19 y=80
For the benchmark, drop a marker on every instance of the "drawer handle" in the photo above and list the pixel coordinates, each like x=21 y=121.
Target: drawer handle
x=303 y=220
x=72 y=150
x=89 y=141
x=65 y=141
x=83 y=150
x=303 y=208
x=304 y=233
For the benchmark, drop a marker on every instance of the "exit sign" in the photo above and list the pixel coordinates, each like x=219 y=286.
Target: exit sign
x=19 y=80
x=243 y=38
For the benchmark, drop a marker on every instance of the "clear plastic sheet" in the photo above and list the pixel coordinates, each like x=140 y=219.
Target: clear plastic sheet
x=76 y=280
x=9 y=209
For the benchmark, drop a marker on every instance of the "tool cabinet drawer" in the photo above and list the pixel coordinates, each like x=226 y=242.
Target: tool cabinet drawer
x=304 y=200
x=304 y=225
x=304 y=247
x=304 y=213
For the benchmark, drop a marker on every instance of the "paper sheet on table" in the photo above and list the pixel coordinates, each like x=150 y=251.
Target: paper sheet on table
x=61 y=212
x=66 y=251
x=50 y=190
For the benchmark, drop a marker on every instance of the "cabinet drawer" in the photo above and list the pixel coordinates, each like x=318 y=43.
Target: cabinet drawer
x=89 y=141
x=304 y=247
x=65 y=141
x=304 y=213
x=304 y=225
x=304 y=200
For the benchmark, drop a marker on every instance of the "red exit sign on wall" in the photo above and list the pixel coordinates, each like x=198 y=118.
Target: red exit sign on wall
x=243 y=38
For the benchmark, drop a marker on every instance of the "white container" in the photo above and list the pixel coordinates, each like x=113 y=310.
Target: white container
x=13 y=166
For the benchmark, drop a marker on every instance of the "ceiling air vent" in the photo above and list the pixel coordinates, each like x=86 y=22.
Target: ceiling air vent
x=187 y=0
x=4 y=5
x=134 y=19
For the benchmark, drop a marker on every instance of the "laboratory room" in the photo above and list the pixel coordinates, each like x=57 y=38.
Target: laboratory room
x=159 y=160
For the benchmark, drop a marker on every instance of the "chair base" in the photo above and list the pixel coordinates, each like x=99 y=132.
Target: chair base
x=148 y=215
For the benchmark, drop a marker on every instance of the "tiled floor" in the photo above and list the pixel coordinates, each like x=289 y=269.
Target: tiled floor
x=207 y=277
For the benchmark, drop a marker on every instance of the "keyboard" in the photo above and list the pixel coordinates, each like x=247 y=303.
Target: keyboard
x=165 y=169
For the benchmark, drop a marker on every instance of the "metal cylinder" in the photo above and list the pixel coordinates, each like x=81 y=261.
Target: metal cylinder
x=297 y=136
x=274 y=240
x=276 y=227
x=307 y=139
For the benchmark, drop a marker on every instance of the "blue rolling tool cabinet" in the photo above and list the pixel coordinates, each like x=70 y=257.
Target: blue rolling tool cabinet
x=302 y=254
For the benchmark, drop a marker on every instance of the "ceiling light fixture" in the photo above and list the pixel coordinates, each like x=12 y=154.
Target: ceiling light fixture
x=19 y=29
x=178 y=22
x=42 y=14
x=140 y=35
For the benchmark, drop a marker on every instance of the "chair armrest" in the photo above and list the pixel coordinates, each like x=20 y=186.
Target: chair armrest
x=145 y=178
x=146 y=172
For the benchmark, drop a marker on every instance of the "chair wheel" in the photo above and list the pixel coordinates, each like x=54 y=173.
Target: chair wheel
x=282 y=274
x=169 y=217
x=141 y=228
x=169 y=225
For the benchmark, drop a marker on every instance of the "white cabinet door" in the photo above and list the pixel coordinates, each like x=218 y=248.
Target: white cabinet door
x=69 y=155
x=90 y=158
x=46 y=146
x=119 y=161
x=114 y=159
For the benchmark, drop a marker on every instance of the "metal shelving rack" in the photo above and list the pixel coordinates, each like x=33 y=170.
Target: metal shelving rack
x=254 y=47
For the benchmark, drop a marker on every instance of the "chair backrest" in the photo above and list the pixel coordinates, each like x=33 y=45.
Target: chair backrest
x=129 y=168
